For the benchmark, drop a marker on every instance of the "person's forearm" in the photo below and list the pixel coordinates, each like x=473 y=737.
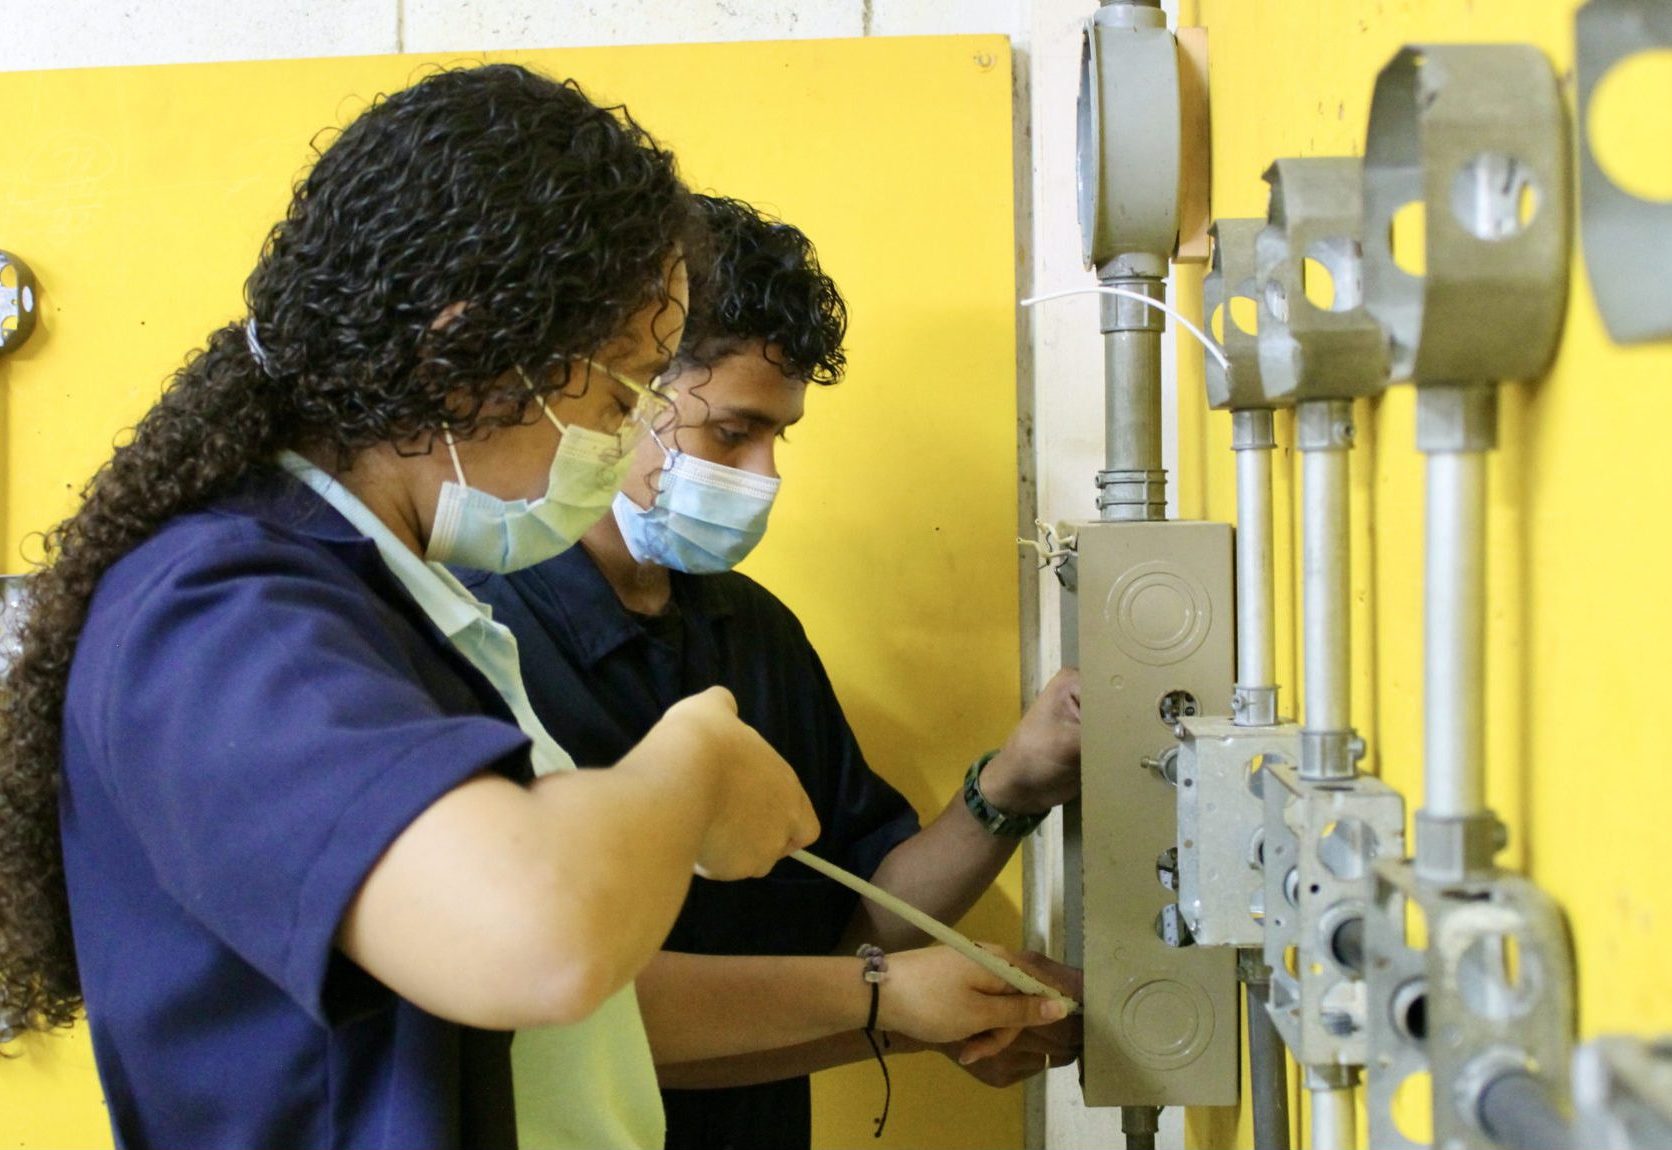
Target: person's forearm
x=506 y=907
x=776 y=1065
x=620 y=847
x=941 y=870
x=700 y=1007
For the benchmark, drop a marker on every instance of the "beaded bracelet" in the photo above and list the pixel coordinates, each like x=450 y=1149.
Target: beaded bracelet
x=876 y=966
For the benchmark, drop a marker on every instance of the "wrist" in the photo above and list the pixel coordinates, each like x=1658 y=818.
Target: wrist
x=681 y=750
x=1004 y=784
x=993 y=814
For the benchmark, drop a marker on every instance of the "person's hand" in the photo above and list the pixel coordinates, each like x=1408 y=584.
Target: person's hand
x=760 y=812
x=935 y=995
x=1036 y=1048
x=1039 y=765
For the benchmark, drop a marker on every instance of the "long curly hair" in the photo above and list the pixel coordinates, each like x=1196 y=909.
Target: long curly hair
x=758 y=279
x=549 y=218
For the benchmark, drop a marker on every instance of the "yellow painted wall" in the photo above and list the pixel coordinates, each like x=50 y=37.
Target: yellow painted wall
x=1580 y=623
x=140 y=197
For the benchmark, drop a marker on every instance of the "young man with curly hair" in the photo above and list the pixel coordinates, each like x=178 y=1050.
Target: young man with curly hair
x=746 y=998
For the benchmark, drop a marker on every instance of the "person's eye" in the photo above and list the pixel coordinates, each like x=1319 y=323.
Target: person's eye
x=730 y=436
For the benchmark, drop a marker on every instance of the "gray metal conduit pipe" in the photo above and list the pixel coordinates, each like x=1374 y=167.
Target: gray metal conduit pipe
x=1267 y=1058
x=1515 y=1112
x=1324 y=556
x=1454 y=750
x=1253 y=440
x=1140 y=1124
x=1133 y=485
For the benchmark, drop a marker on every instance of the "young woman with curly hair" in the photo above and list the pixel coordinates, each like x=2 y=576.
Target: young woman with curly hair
x=273 y=803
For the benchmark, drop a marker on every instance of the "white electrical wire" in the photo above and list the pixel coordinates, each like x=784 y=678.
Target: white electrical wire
x=1213 y=348
x=1015 y=976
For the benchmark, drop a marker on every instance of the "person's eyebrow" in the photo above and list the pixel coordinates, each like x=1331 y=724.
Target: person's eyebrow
x=750 y=414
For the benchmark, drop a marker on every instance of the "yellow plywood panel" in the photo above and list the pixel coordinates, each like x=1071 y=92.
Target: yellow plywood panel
x=140 y=196
x=1579 y=623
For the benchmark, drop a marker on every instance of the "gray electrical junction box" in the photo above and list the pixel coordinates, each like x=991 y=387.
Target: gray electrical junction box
x=1152 y=614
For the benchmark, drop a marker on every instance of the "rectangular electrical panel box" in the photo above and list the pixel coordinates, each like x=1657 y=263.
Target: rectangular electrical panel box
x=1151 y=620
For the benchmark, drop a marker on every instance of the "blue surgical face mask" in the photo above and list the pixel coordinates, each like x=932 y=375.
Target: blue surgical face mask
x=706 y=517
x=475 y=529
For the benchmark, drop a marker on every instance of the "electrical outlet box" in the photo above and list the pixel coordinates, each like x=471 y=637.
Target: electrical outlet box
x=1153 y=623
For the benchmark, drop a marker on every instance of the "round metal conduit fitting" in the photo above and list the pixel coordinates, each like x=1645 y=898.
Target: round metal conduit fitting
x=1478 y=135
x=1129 y=141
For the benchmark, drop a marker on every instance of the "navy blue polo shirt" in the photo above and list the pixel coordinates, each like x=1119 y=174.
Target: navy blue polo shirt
x=256 y=710
x=599 y=677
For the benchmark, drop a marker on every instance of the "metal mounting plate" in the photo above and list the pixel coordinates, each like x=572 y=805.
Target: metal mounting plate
x=1628 y=241
x=1221 y=777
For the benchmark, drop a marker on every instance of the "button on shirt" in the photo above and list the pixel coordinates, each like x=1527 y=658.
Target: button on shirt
x=601 y=1088
x=599 y=677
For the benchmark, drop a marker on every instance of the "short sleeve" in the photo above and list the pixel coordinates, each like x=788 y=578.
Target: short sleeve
x=868 y=818
x=267 y=726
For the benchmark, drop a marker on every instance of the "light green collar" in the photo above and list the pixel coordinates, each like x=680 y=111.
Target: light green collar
x=447 y=602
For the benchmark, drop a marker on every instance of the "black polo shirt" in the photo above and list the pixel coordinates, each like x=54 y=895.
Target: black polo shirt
x=599 y=677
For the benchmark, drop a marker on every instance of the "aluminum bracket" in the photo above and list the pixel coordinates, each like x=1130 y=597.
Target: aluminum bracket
x=1232 y=275
x=1628 y=240
x=1321 y=839
x=1308 y=351
x=1221 y=777
x=1490 y=993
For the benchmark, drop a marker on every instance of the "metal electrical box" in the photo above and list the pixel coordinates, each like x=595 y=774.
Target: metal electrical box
x=1152 y=615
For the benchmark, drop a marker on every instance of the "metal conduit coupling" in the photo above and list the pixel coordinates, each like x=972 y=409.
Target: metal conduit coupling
x=1133 y=484
x=1477 y=135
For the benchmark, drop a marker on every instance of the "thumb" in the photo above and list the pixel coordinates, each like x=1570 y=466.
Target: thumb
x=1024 y=1010
x=985 y=1045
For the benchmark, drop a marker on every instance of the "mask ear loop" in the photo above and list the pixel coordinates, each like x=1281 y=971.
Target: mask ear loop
x=452 y=450
x=562 y=428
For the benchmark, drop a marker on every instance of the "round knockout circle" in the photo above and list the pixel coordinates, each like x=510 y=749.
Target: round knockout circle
x=1165 y=1023
x=1159 y=613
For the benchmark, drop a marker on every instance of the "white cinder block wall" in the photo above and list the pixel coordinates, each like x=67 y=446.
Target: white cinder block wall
x=1060 y=366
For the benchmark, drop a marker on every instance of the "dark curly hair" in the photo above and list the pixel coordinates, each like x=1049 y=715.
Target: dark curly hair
x=758 y=278
x=551 y=219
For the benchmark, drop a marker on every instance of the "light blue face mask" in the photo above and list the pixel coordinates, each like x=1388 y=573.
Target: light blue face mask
x=475 y=529
x=706 y=517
